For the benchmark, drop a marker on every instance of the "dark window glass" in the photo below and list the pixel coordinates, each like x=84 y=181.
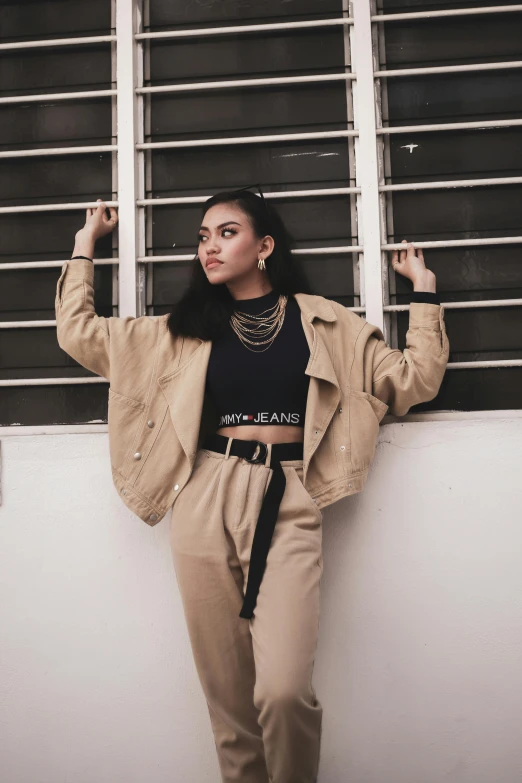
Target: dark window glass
x=165 y=13
x=69 y=404
x=27 y=295
x=47 y=180
x=62 y=124
x=425 y=157
x=468 y=273
x=453 y=40
x=55 y=69
x=34 y=352
x=405 y=6
x=255 y=111
x=250 y=55
x=307 y=165
x=26 y=20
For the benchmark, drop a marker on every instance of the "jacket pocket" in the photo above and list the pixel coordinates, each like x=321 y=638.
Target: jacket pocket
x=124 y=422
x=366 y=413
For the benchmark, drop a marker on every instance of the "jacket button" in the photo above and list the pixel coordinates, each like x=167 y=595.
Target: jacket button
x=124 y=492
x=137 y=455
x=150 y=423
x=176 y=486
x=316 y=432
x=342 y=448
x=350 y=485
x=340 y=410
x=153 y=517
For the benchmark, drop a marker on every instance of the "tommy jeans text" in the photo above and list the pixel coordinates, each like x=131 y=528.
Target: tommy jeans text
x=259 y=418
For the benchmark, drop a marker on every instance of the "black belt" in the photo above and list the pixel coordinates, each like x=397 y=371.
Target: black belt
x=256 y=451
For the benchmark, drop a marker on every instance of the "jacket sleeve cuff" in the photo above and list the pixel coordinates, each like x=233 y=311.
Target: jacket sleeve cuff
x=427 y=297
x=79 y=269
x=424 y=314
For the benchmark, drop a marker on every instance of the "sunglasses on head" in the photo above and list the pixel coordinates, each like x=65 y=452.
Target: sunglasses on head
x=241 y=190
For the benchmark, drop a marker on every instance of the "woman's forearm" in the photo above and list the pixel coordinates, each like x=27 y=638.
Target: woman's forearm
x=84 y=245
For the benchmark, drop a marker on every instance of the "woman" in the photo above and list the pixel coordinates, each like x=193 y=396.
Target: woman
x=253 y=402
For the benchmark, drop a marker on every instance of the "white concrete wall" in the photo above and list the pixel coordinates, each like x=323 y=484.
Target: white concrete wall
x=419 y=666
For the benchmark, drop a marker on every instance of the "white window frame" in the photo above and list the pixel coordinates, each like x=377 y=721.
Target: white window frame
x=367 y=144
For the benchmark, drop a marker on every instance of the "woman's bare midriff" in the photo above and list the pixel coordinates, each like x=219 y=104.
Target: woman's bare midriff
x=280 y=433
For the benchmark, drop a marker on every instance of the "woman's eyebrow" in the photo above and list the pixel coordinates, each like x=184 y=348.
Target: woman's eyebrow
x=221 y=225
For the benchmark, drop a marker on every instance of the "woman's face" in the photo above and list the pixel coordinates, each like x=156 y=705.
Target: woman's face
x=226 y=235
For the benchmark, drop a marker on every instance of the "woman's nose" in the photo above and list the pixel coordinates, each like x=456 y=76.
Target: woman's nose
x=212 y=246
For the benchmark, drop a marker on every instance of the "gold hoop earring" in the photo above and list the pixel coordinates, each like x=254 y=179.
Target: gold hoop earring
x=261 y=263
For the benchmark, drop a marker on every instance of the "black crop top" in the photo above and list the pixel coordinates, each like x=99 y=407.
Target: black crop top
x=269 y=387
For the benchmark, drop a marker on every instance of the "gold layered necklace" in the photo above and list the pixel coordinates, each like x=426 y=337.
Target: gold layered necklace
x=246 y=325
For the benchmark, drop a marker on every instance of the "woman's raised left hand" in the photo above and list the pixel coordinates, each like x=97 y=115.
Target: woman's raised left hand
x=411 y=265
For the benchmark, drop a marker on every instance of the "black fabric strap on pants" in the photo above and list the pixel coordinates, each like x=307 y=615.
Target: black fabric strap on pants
x=256 y=451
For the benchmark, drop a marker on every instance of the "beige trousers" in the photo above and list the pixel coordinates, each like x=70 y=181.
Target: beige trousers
x=256 y=674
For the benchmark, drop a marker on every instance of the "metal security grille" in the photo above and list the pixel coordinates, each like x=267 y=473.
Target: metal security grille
x=353 y=150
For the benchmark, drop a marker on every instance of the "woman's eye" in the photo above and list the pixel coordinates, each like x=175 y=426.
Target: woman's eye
x=201 y=237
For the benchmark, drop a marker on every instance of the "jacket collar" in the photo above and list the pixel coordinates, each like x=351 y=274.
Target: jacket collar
x=315 y=307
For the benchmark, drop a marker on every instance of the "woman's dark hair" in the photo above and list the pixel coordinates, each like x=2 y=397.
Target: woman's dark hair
x=204 y=310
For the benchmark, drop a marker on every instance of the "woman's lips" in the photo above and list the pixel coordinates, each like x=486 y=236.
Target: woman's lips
x=211 y=264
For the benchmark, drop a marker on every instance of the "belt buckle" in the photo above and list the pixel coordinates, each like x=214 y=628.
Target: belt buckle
x=257 y=457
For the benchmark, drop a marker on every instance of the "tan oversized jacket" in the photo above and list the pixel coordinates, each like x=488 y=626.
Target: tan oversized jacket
x=158 y=413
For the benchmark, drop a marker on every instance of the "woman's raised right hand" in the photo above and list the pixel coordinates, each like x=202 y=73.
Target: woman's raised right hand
x=97 y=224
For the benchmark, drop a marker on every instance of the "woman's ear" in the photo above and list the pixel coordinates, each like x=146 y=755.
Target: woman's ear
x=267 y=245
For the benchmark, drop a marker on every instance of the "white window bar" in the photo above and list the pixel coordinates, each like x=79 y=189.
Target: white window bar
x=471 y=67
x=458 y=243
x=474 y=304
x=58 y=151
x=163 y=145
x=143 y=202
x=368 y=203
x=389 y=282
x=240 y=83
x=58 y=96
x=454 y=183
x=127 y=21
x=52 y=381
x=78 y=41
x=305 y=251
x=43 y=264
x=493 y=364
x=350 y=148
x=449 y=126
x=279 y=194
x=114 y=159
x=54 y=207
x=203 y=32
x=146 y=156
x=500 y=9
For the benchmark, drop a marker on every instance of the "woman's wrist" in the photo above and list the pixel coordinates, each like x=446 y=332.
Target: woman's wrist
x=84 y=244
x=427 y=282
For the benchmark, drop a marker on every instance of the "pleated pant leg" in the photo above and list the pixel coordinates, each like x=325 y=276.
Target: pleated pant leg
x=256 y=674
